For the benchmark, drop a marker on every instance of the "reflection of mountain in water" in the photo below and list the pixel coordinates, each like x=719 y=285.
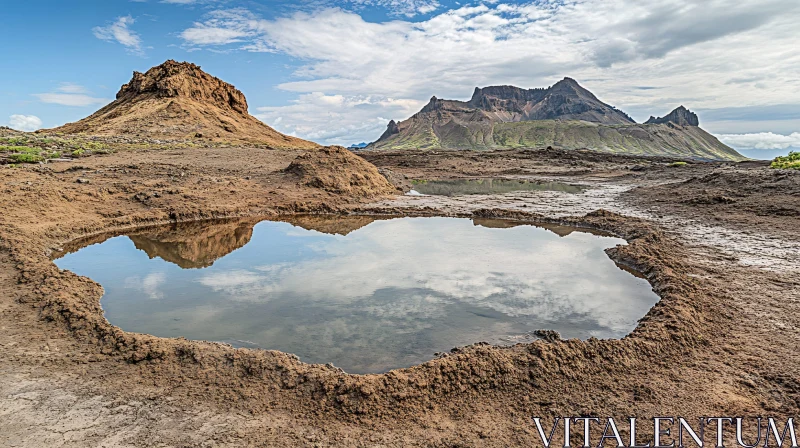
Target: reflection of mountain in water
x=331 y=224
x=558 y=229
x=194 y=245
x=197 y=245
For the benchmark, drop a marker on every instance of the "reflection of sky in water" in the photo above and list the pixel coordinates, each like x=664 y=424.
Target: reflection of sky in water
x=385 y=296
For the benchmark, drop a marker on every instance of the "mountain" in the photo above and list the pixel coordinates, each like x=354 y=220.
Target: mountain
x=564 y=115
x=358 y=145
x=178 y=100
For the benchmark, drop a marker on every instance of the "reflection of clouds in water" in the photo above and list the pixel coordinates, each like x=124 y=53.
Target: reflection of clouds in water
x=518 y=272
x=149 y=285
x=230 y=279
x=406 y=304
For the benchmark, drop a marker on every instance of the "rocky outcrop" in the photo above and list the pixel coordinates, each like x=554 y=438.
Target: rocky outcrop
x=565 y=100
x=178 y=100
x=680 y=116
x=184 y=80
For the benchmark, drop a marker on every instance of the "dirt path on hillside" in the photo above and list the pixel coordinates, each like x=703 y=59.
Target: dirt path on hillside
x=715 y=240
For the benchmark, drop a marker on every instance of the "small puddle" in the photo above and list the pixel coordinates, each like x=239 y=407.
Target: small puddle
x=367 y=294
x=459 y=187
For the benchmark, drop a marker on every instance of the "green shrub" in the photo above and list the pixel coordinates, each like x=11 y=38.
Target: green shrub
x=94 y=146
x=78 y=153
x=26 y=158
x=677 y=164
x=790 y=162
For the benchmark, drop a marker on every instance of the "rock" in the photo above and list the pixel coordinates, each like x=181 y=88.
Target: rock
x=82 y=181
x=548 y=335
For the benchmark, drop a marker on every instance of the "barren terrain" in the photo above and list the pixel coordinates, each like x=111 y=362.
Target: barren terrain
x=718 y=242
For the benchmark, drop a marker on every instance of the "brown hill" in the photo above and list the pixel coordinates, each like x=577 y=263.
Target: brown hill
x=178 y=100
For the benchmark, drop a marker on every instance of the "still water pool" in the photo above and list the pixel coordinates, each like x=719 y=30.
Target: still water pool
x=364 y=293
x=460 y=187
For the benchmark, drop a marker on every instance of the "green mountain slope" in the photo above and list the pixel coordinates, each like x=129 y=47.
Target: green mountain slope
x=565 y=116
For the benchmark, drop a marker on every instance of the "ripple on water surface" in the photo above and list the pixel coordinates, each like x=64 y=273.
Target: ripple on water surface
x=367 y=294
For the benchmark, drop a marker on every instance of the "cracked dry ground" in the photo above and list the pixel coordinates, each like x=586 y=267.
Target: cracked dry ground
x=718 y=242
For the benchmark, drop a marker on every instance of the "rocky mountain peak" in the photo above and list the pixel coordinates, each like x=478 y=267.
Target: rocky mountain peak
x=432 y=105
x=391 y=129
x=567 y=82
x=174 y=79
x=488 y=96
x=680 y=116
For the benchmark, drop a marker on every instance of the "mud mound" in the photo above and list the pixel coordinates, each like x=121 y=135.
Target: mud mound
x=749 y=196
x=179 y=100
x=750 y=181
x=337 y=170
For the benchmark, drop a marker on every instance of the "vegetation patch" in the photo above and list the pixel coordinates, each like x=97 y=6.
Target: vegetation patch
x=25 y=157
x=790 y=162
x=678 y=164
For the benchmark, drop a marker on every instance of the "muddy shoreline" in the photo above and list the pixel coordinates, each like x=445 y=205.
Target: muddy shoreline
x=69 y=378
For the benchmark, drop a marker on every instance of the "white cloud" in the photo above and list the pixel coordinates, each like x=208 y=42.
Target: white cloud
x=120 y=32
x=222 y=28
x=761 y=140
x=150 y=285
x=68 y=87
x=683 y=51
x=70 y=99
x=25 y=123
x=408 y=8
x=337 y=119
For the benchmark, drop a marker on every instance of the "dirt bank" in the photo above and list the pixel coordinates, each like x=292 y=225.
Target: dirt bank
x=721 y=340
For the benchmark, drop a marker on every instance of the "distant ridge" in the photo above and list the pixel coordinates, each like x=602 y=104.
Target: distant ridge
x=680 y=116
x=178 y=100
x=564 y=115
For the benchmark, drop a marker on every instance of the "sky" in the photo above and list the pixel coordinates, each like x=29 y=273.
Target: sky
x=336 y=72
